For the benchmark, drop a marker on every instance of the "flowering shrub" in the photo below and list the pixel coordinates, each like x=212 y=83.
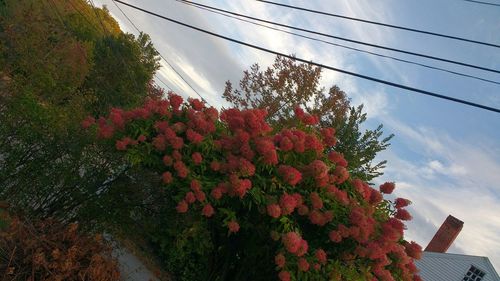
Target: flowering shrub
x=234 y=170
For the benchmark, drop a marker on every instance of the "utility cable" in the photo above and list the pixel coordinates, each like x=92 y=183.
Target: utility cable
x=138 y=30
x=163 y=82
x=383 y=24
x=223 y=13
x=81 y=14
x=169 y=64
x=483 y=3
x=393 y=84
x=105 y=32
x=91 y=2
x=359 y=42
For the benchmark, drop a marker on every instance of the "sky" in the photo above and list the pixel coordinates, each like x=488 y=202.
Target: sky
x=445 y=157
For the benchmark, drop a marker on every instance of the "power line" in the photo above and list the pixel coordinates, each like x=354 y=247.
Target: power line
x=105 y=32
x=362 y=43
x=384 y=24
x=136 y=28
x=157 y=77
x=125 y=15
x=229 y=14
x=169 y=64
x=428 y=93
x=81 y=14
x=484 y=3
x=91 y=2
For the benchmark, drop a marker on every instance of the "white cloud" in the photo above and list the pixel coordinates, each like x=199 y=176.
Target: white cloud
x=446 y=175
x=363 y=32
x=375 y=103
x=435 y=166
x=208 y=70
x=460 y=179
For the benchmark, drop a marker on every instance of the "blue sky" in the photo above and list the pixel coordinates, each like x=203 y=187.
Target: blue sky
x=445 y=156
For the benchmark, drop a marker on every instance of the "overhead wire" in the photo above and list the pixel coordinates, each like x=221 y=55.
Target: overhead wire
x=230 y=15
x=393 y=84
x=383 y=24
x=88 y=21
x=169 y=64
x=136 y=28
x=163 y=82
x=91 y=2
x=483 y=3
x=106 y=32
x=54 y=5
x=81 y=13
x=362 y=43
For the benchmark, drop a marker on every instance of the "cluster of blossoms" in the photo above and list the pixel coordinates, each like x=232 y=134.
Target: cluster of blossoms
x=325 y=223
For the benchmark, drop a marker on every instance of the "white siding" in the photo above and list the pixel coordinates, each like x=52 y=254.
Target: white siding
x=452 y=267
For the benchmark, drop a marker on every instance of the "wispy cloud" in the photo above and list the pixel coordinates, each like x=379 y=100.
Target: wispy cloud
x=441 y=174
x=207 y=62
x=449 y=177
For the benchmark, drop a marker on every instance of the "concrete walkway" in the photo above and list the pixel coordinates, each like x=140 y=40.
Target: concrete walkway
x=131 y=267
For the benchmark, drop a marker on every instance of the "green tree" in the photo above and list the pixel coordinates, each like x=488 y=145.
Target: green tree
x=287 y=84
x=59 y=65
x=123 y=68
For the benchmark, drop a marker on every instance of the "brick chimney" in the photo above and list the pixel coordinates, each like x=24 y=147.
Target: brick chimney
x=445 y=235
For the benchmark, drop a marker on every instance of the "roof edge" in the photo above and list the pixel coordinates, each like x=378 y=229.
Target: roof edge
x=488 y=262
x=490 y=266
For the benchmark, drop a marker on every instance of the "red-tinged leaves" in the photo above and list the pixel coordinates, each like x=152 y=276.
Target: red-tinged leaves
x=219 y=168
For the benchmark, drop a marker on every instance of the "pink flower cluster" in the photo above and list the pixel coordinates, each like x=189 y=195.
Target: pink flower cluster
x=294 y=244
x=220 y=165
x=306 y=118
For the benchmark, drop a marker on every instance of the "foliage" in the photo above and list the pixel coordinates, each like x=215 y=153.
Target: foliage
x=184 y=247
x=49 y=168
x=287 y=84
x=4 y=217
x=47 y=250
x=59 y=59
x=256 y=199
x=121 y=78
x=56 y=68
